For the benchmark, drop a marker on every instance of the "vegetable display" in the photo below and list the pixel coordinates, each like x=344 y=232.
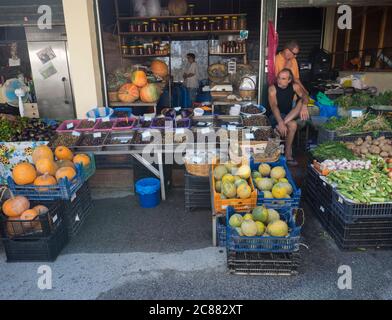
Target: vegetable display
x=367 y=123
x=333 y=150
x=364 y=100
x=362 y=147
x=327 y=166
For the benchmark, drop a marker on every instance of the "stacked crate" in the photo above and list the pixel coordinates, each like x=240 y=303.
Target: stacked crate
x=197 y=192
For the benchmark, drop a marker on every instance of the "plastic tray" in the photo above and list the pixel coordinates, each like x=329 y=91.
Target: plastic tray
x=86 y=129
x=97 y=129
x=63 y=126
x=187 y=121
x=131 y=121
x=62 y=191
x=80 y=148
x=119 y=146
x=292 y=202
x=264 y=244
x=168 y=120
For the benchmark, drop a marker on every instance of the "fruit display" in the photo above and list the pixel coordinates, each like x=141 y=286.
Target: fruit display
x=159 y=68
x=128 y=93
x=86 y=124
x=363 y=147
x=256 y=121
x=261 y=222
x=67 y=140
x=251 y=110
x=272 y=182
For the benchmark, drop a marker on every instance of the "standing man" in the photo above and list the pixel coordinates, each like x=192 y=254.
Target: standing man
x=286 y=110
x=287 y=59
x=191 y=76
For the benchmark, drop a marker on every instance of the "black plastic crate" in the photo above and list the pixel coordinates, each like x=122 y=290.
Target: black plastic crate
x=351 y=211
x=36 y=250
x=325 y=135
x=41 y=227
x=196 y=183
x=197 y=192
x=77 y=210
x=258 y=263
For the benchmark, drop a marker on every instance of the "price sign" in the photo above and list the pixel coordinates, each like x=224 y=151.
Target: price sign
x=249 y=136
x=76 y=134
x=107 y=119
x=147 y=118
x=356 y=113
x=180 y=131
x=97 y=135
x=231 y=128
x=70 y=125
x=205 y=131
x=146 y=135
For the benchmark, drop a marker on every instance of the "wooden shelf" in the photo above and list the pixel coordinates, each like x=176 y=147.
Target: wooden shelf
x=178 y=17
x=180 y=34
x=227 y=54
x=127 y=56
x=135 y=104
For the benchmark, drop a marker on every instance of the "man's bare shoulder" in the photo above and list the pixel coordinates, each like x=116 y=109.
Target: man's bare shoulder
x=271 y=89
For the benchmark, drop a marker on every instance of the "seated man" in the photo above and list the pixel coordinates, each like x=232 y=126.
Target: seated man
x=286 y=110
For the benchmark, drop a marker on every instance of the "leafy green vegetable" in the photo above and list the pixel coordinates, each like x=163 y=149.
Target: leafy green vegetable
x=332 y=150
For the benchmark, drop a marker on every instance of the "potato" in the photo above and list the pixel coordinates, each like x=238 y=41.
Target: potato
x=386 y=148
x=350 y=146
x=368 y=138
x=364 y=150
x=384 y=154
x=376 y=142
x=375 y=150
x=359 y=142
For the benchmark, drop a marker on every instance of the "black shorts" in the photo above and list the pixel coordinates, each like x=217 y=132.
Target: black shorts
x=274 y=122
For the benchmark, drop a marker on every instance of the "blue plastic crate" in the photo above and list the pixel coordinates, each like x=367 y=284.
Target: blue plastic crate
x=292 y=202
x=64 y=190
x=221 y=231
x=236 y=243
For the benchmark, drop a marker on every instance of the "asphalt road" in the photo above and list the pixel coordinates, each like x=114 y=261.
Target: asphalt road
x=124 y=252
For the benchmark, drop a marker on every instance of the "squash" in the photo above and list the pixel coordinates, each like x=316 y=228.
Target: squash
x=139 y=78
x=24 y=173
x=63 y=153
x=41 y=209
x=42 y=152
x=15 y=206
x=150 y=93
x=178 y=7
x=30 y=215
x=65 y=172
x=159 y=68
x=45 y=165
x=129 y=93
x=82 y=159
x=45 y=180
x=65 y=163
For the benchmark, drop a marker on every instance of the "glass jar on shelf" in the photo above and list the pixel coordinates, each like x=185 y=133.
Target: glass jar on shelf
x=138 y=26
x=242 y=23
x=196 y=24
x=176 y=27
x=156 y=46
x=149 y=49
x=181 y=22
x=145 y=27
x=204 y=24
x=124 y=50
x=189 y=24
x=163 y=27
x=154 y=25
x=133 y=51
x=141 y=50
x=218 y=23
x=226 y=23
x=211 y=25
x=234 y=23
x=132 y=27
x=191 y=9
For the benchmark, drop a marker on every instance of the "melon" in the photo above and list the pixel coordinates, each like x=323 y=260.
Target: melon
x=264 y=184
x=230 y=165
x=248 y=216
x=268 y=195
x=235 y=220
x=278 y=173
x=279 y=191
x=287 y=186
x=264 y=169
x=239 y=231
x=159 y=68
x=244 y=172
x=228 y=178
x=260 y=214
x=278 y=229
x=229 y=190
x=249 y=228
x=149 y=93
x=273 y=215
x=256 y=174
x=240 y=182
x=139 y=78
x=260 y=228
x=218 y=186
x=244 y=191
x=219 y=172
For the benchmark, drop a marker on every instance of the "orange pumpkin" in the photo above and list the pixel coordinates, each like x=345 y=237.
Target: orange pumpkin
x=30 y=215
x=65 y=163
x=46 y=166
x=14 y=207
x=63 y=153
x=65 y=172
x=83 y=159
x=159 y=68
x=24 y=173
x=45 y=180
x=129 y=93
x=42 y=152
x=150 y=93
x=139 y=78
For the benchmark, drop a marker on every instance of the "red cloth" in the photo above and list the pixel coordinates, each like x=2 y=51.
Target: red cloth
x=273 y=41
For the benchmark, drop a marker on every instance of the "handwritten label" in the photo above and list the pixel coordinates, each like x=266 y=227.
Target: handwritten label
x=146 y=135
x=205 y=131
x=249 y=136
x=147 y=118
x=356 y=113
x=97 y=135
x=76 y=134
x=91 y=119
x=231 y=128
x=107 y=119
x=180 y=131
x=70 y=125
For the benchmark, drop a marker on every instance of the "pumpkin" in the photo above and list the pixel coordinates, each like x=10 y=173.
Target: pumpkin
x=24 y=173
x=139 y=78
x=159 y=68
x=65 y=172
x=150 y=93
x=178 y=7
x=45 y=165
x=63 y=153
x=83 y=159
x=42 y=152
x=41 y=209
x=65 y=163
x=45 y=180
x=30 y=215
x=15 y=206
x=129 y=93
x=14 y=228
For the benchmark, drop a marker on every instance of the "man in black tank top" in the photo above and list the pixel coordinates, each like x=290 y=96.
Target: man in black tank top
x=286 y=110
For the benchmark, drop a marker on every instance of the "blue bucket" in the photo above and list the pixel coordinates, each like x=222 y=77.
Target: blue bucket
x=148 y=190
